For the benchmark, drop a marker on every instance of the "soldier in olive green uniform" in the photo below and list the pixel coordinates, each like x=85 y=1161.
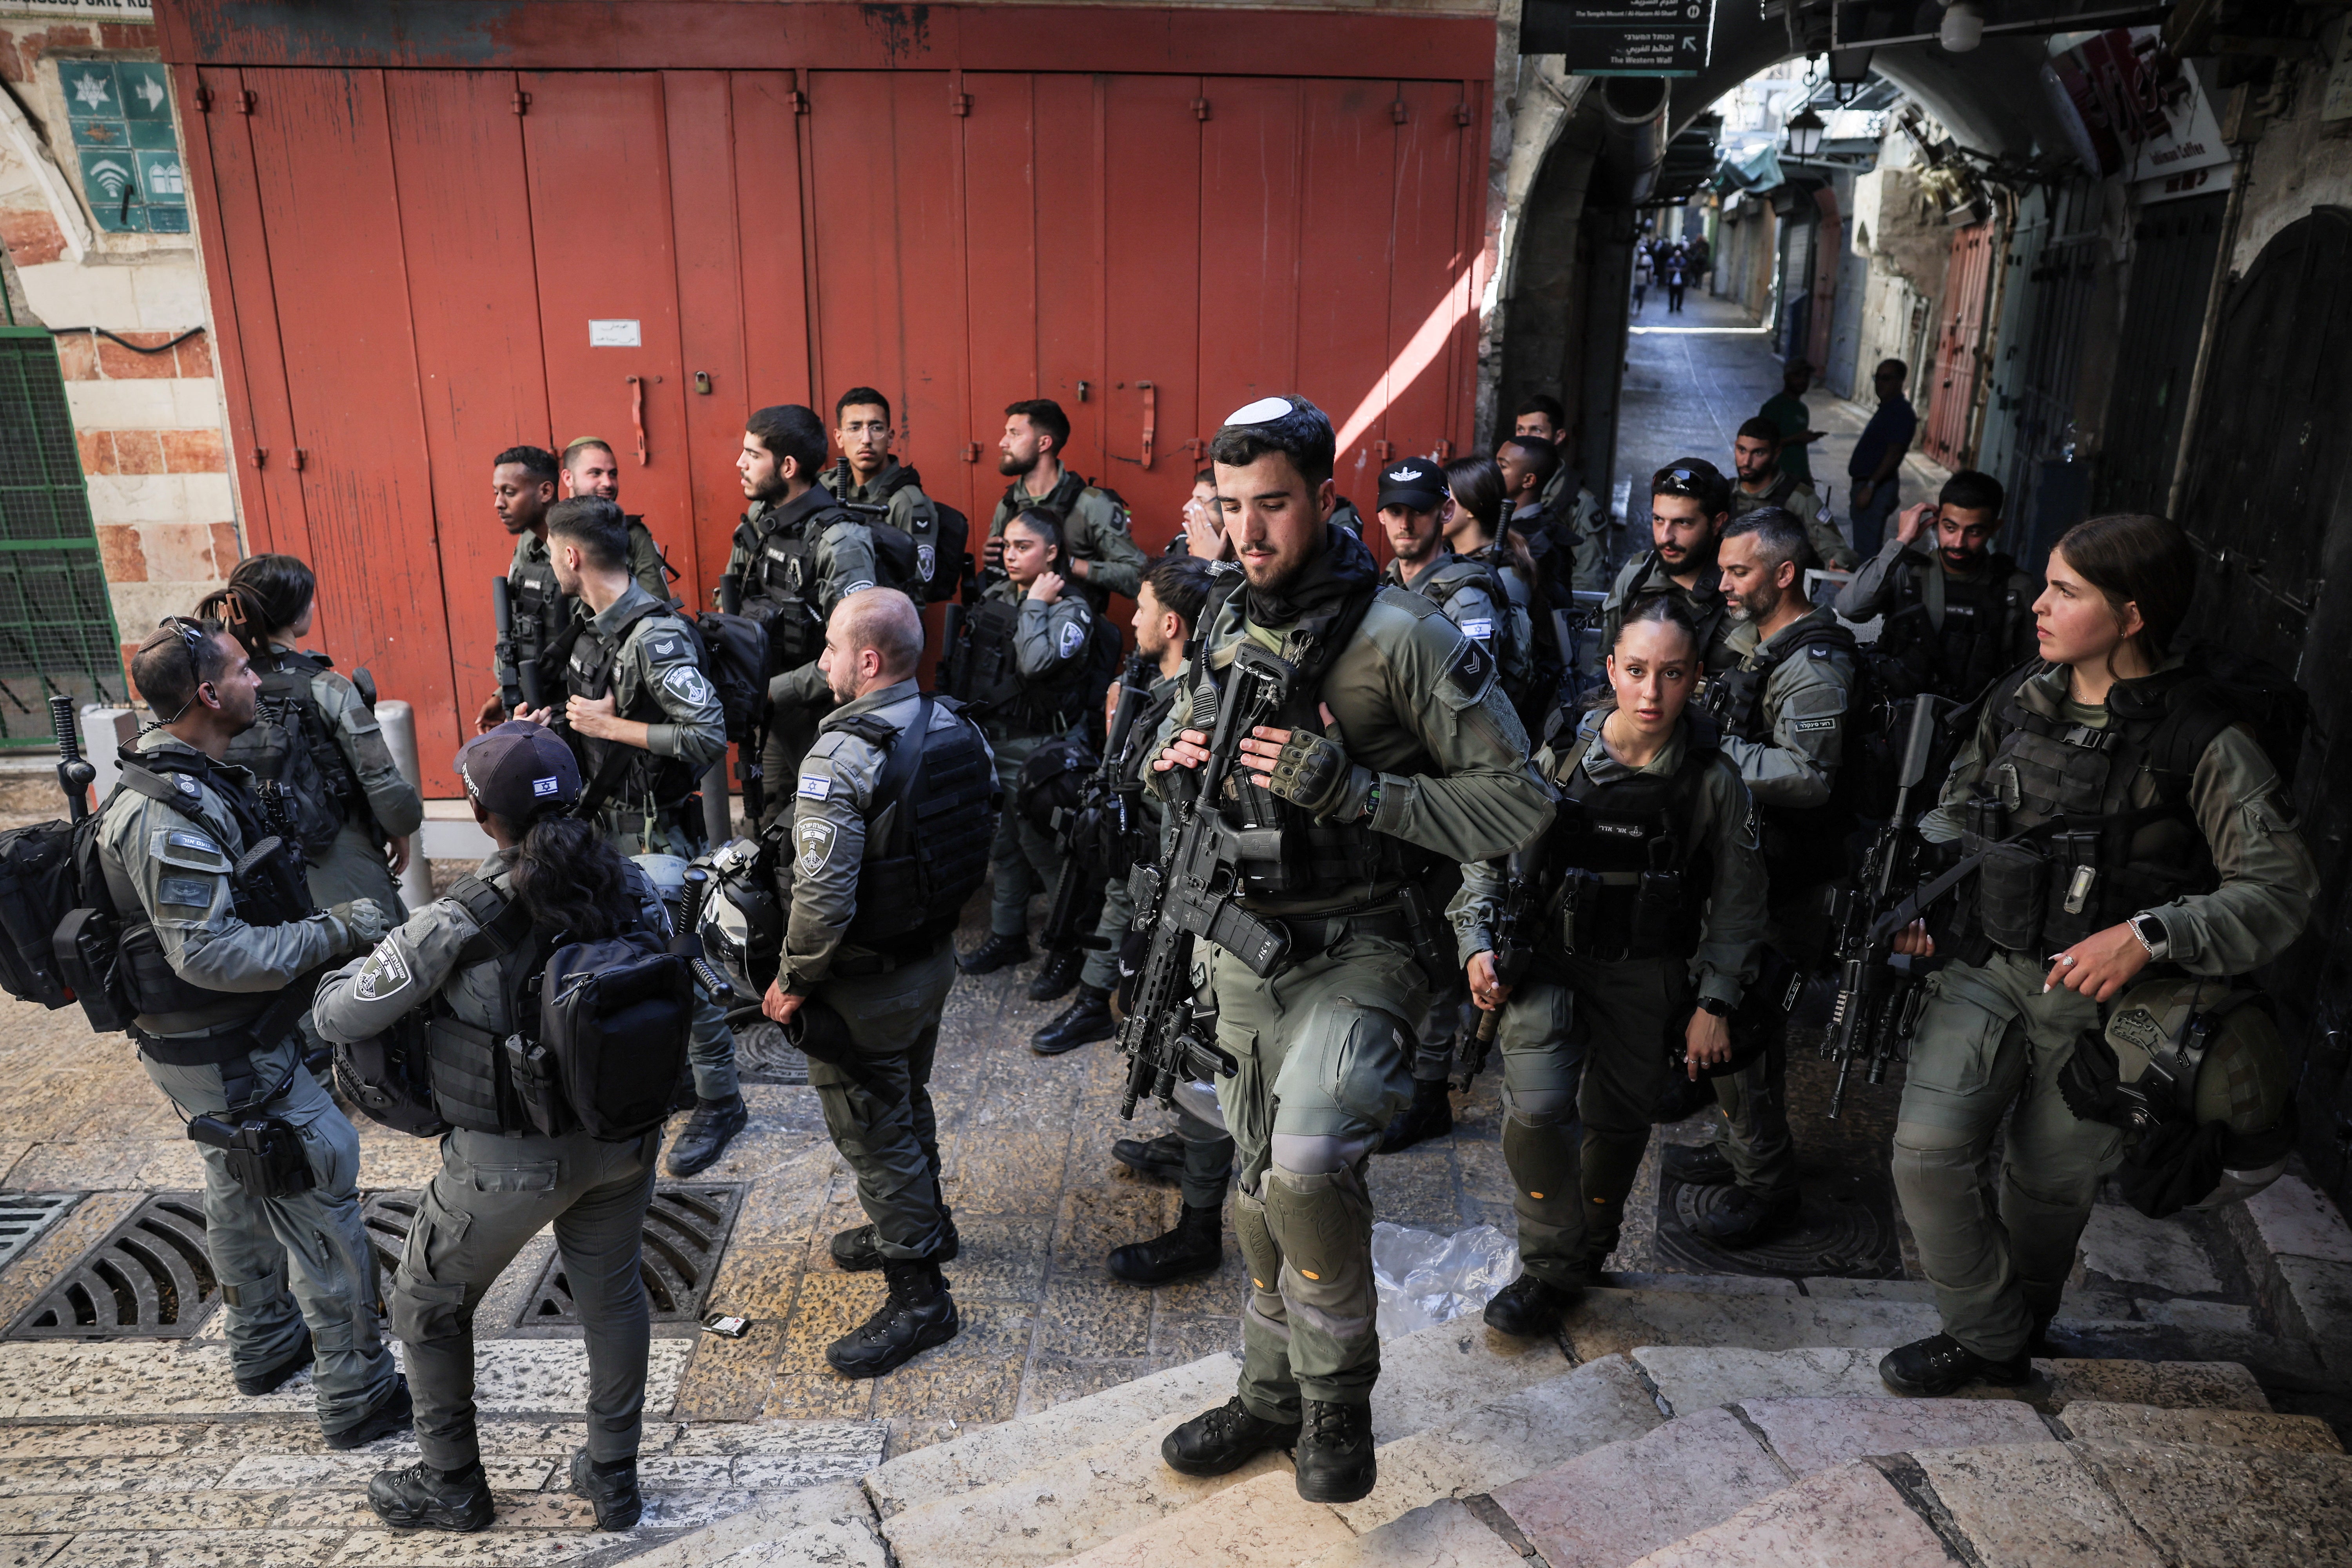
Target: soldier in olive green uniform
x=2127 y=820
x=317 y=748
x=1957 y=613
x=1690 y=503
x=1104 y=557
x=1420 y=759
x=1785 y=710
x=217 y=968
x=1572 y=512
x=1756 y=452
x=868 y=476
x=889 y=814
x=645 y=723
x=465 y=959
x=797 y=553
x=1621 y=961
x=1030 y=665
x=523 y=483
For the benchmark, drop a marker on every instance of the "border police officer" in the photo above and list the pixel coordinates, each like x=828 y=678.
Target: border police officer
x=2122 y=820
x=1395 y=746
x=869 y=475
x=1755 y=455
x=218 y=962
x=468 y=958
x=889 y=816
x=1641 y=914
x=1103 y=559
x=317 y=751
x=645 y=723
x=1957 y=613
x=1690 y=501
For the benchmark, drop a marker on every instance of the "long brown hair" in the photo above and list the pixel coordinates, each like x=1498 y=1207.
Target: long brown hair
x=2137 y=558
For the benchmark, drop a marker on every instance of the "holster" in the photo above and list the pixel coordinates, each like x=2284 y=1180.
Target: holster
x=264 y=1154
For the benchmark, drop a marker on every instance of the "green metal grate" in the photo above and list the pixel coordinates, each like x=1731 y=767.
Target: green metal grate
x=56 y=626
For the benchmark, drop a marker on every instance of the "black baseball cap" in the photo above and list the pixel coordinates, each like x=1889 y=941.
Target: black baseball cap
x=1416 y=482
x=520 y=771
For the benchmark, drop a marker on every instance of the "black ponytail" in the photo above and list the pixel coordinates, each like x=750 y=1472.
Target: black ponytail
x=265 y=593
x=572 y=881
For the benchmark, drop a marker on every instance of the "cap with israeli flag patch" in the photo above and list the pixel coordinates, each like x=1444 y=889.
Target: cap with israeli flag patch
x=518 y=769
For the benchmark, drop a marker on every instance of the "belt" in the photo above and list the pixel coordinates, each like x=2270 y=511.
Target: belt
x=869 y=962
x=1312 y=934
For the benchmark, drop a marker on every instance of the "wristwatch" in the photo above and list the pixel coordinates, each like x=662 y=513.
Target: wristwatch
x=2151 y=933
x=1716 y=1005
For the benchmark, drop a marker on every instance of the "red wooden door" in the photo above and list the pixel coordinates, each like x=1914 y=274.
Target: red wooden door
x=1151 y=300
x=1960 y=335
x=1345 y=264
x=1829 y=247
x=1429 y=279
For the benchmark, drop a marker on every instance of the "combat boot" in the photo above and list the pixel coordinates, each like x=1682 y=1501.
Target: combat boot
x=392 y=1413
x=1160 y=1158
x=1745 y=1219
x=1703 y=1166
x=997 y=953
x=1940 y=1364
x=1057 y=975
x=918 y=1314
x=1085 y=1020
x=706 y=1134
x=421 y=1496
x=1528 y=1307
x=1221 y=1441
x=610 y=1485
x=1430 y=1115
x=1196 y=1246
x=1334 y=1459
x=253 y=1384
x=859 y=1248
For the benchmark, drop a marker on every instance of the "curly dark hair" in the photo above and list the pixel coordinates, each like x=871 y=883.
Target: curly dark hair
x=572 y=881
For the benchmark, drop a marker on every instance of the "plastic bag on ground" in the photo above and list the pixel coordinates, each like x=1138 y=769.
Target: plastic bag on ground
x=1425 y=1278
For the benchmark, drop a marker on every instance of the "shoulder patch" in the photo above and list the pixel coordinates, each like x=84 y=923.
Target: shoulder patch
x=383 y=974
x=1820 y=650
x=186 y=849
x=185 y=892
x=1072 y=636
x=186 y=785
x=858 y=587
x=927 y=562
x=666 y=646
x=815 y=838
x=1478 y=630
x=816 y=786
x=686 y=683
x=1467 y=675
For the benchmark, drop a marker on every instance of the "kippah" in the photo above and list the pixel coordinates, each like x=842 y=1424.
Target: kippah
x=1263 y=411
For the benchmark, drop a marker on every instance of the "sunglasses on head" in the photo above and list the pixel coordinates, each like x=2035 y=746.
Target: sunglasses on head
x=1678 y=482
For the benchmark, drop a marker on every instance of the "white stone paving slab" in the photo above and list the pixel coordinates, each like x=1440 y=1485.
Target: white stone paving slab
x=2295 y=1219
x=824 y=1527
x=2125 y=1245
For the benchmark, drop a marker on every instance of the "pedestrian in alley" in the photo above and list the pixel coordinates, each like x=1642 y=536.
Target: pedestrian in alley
x=1678 y=279
x=1787 y=411
x=1877 y=458
x=1641 y=272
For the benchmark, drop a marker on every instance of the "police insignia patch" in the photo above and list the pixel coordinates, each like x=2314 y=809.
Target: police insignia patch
x=186 y=892
x=927 y=562
x=383 y=974
x=188 y=785
x=685 y=684
x=1468 y=673
x=1073 y=636
x=858 y=587
x=815 y=837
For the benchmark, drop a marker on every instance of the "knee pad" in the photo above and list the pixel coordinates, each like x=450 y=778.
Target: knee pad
x=1541 y=1158
x=1323 y=1223
x=1538 y=1107
x=1317 y=1155
x=1260 y=1256
x=1348 y=1070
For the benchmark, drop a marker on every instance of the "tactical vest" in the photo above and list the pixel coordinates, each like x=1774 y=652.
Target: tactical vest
x=1622 y=874
x=907 y=559
x=544 y=626
x=1310 y=856
x=268 y=890
x=2090 y=858
x=929 y=825
x=1803 y=846
x=637 y=775
x=1709 y=621
x=1057 y=503
x=988 y=676
x=782 y=588
x=306 y=788
x=1981 y=616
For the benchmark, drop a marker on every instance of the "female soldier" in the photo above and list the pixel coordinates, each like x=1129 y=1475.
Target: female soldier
x=1644 y=900
x=1029 y=667
x=2123 y=820
x=317 y=755
x=468 y=958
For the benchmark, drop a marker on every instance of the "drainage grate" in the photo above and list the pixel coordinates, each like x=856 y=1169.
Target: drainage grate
x=25 y=1217
x=763 y=1056
x=1846 y=1227
x=150 y=1277
x=685 y=1230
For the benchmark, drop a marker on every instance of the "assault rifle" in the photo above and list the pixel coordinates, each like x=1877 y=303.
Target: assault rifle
x=1190 y=894
x=522 y=690
x=1513 y=953
x=1095 y=832
x=1873 y=1017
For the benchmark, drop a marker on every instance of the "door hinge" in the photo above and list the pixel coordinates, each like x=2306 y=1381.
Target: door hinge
x=204 y=101
x=800 y=101
x=1461 y=115
x=1381 y=450
x=972 y=451
x=1399 y=112
x=1200 y=109
x=1443 y=450
x=522 y=101
x=960 y=102
x=245 y=100
x=302 y=458
x=260 y=457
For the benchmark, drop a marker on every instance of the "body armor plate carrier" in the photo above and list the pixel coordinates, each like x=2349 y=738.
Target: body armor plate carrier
x=1622 y=876
x=1803 y=846
x=1981 y=616
x=636 y=776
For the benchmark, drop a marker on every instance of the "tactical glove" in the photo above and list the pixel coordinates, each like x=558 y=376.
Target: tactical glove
x=363 y=922
x=1312 y=772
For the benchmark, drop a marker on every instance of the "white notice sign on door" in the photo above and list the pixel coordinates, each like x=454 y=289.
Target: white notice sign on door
x=614 y=335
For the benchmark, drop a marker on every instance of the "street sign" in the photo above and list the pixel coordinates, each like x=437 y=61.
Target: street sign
x=1621 y=37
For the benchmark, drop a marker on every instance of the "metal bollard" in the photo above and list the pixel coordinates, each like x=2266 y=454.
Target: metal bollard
x=399 y=721
x=717 y=815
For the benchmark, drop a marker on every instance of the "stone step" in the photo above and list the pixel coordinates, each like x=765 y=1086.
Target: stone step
x=1694 y=1377
x=265 y=1490
x=1076 y=1499
x=1263 y=1521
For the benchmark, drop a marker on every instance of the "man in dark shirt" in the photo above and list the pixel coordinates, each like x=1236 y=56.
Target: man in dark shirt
x=1878 y=458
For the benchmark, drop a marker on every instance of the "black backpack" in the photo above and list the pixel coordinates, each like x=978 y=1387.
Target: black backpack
x=2218 y=689
x=38 y=891
x=1054 y=779
x=612 y=1022
x=951 y=555
x=734 y=653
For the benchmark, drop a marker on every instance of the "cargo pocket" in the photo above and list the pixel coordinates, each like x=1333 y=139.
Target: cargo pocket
x=432 y=1239
x=538 y=1177
x=1956 y=1050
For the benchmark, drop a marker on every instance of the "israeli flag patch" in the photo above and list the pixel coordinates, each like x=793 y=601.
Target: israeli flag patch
x=1478 y=630
x=545 y=786
x=816 y=786
x=1073 y=638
